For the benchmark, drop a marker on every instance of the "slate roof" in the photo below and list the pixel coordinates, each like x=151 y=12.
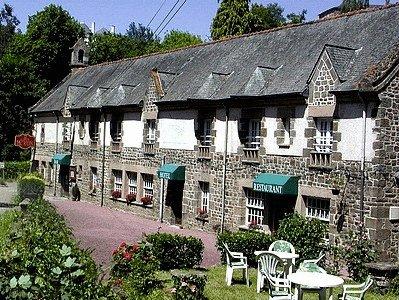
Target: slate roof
x=274 y=62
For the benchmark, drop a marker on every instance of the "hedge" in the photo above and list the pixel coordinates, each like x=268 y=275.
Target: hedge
x=14 y=169
x=175 y=251
x=30 y=186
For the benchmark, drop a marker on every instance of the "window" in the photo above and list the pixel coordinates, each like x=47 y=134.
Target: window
x=93 y=127
x=255 y=206
x=66 y=131
x=151 y=131
x=204 y=186
x=93 y=179
x=80 y=172
x=206 y=138
x=148 y=189
x=323 y=136
x=318 y=208
x=42 y=134
x=132 y=177
x=253 y=134
x=82 y=132
x=80 y=55
x=117 y=180
x=43 y=169
x=287 y=128
x=116 y=128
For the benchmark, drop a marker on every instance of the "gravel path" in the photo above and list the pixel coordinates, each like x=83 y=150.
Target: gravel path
x=7 y=192
x=103 y=229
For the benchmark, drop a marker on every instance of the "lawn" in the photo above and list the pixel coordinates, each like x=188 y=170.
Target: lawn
x=216 y=288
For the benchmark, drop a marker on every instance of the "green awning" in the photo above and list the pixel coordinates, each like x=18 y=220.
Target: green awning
x=276 y=184
x=62 y=159
x=172 y=172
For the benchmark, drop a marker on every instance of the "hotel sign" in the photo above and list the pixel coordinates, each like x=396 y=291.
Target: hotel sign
x=164 y=175
x=268 y=188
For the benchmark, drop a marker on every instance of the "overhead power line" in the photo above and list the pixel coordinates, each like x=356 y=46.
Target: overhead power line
x=173 y=16
x=152 y=19
x=167 y=15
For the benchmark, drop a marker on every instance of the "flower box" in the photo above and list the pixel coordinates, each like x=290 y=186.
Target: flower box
x=130 y=198
x=116 y=194
x=202 y=214
x=146 y=200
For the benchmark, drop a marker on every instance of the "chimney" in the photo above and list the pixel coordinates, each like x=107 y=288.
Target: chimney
x=93 y=27
x=113 y=29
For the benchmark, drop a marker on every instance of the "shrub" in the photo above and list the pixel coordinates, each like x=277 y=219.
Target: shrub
x=14 y=169
x=42 y=261
x=394 y=286
x=30 y=186
x=175 y=251
x=305 y=234
x=130 y=198
x=244 y=241
x=6 y=220
x=116 y=194
x=188 y=286
x=357 y=251
x=146 y=200
x=136 y=266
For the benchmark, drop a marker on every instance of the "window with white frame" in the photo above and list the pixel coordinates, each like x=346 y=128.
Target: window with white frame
x=255 y=206
x=132 y=177
x=206 y=138
x=287 y=128
x=93 y=179
x=42 y=134
x=204 y=187
x=148 y=185
x=253 y=134
x=116 y=128
x=318 y=208
x=80 y=172
x=324 y=136
x=151 y=131
x=117 y=180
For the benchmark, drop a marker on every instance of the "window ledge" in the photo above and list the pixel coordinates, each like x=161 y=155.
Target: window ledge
x=321 y=167
x=136 y=203
x=284 y=146
x=264 y=229
x=203 y=219
x=92 y=194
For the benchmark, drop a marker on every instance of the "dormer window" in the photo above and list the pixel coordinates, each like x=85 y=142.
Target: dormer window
x=206 y=137
x=81 y=54
x=93 y=127
x=324 y=137
x=151 y=126
x=253 y=138
x=116 y=128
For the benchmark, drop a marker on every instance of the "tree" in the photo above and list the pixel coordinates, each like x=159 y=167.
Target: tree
x=350 y=5
x=145 y=40
x=233 y=17
x=109 y=47
x=50 y=35
x=266 y=17
x=8 y=26
x=297 y=18
x=178 y=39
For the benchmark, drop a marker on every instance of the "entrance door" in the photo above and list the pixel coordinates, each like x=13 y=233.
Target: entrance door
x=174 y=199
x=279 y=207
x=64 y=180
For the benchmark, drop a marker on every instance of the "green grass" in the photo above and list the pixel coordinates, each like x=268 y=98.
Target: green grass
x=6 y=220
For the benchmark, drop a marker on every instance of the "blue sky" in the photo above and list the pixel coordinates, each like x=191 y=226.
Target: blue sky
x=195 y=16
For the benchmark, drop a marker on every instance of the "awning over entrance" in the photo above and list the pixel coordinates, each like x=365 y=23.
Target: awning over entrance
x=62 y=159
x=172 y=172
x=276 y=184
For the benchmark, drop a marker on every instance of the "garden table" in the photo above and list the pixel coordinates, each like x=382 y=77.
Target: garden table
x=323 y=281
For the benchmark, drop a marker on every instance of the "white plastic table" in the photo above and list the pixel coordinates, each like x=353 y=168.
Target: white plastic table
x=324 y=281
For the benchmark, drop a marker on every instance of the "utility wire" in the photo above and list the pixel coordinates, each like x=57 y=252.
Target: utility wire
x=152 y=19
x=173 y=16
x=170 y=11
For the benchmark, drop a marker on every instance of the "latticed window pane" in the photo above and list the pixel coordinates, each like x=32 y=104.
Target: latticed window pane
x=324 y=137
x=254 y=134
x=132 y=176
x=255 y=206
x=206 y=138
x=318 y=208
x=204 y=186
x=117 y=180
x=94 y=177
x=151 y=131
x=148 y=189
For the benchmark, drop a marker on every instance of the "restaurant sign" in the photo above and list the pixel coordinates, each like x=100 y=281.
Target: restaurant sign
x=24 y=141
x=268 y=188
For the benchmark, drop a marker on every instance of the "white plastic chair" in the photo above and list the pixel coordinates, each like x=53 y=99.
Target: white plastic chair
x=356 y=291
x=272 y=269
x=283 y=246
x=316 y=260
x=235 y=260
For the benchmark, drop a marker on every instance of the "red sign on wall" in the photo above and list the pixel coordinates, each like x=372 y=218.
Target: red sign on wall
x=24 y=141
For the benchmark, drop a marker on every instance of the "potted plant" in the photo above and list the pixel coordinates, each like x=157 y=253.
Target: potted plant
x=337 y=182
x=116 y=195
x=202 y=213
x=254 y=225
x=146 y=200
x=131 y=197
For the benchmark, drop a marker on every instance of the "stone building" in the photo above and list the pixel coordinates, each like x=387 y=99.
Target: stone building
x=239 y=131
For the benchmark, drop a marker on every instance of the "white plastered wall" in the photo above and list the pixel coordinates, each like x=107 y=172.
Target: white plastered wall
x=132 y=128
x=50 y=126
x=220 y=126
x=351 y=126
x=176 y=129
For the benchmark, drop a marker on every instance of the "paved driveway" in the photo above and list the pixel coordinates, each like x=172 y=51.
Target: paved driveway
x=103 y=229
